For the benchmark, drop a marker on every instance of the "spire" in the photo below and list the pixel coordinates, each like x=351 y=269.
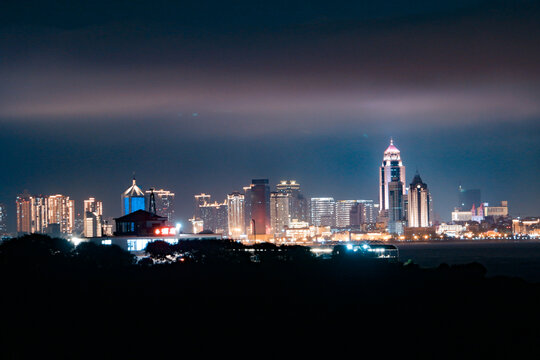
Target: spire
x=391 y=149
x=417 y=179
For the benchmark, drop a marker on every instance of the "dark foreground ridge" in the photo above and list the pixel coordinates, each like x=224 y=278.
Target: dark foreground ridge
x=92 y=301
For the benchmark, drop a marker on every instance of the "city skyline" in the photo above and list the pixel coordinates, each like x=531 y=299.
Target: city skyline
x=284 y=187
x=299 y=90
x=186 y=205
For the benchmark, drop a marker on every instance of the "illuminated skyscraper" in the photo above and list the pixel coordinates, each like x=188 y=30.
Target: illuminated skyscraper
x=280 y=216
x=419 y=203
x=343 y=212
x=215 y=217
x=363 y=212
x=164 y=203
x=61 y=211
x=93 y=212
x=32 y=213
x=259 y=199
x=323 y=211
x=200 y=200
x=396 y=213
x=298 y=204
x=132 y=199
x=392 y=168
x=235 y=209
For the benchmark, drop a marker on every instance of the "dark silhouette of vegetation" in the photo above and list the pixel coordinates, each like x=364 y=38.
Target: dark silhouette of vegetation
x=101 y=257
x=92 y=300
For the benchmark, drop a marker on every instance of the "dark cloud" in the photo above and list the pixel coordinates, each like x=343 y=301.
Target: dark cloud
x=281 y=89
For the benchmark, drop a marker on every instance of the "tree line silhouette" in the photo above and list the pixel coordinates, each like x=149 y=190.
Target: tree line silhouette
x=225 y=299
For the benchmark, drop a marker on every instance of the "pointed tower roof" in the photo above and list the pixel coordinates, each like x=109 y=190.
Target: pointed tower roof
x=392 y=152
x=417 y=179
x=133 y=190
x=391 y=148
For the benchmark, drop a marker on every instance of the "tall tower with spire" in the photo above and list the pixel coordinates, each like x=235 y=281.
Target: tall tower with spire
x=392 y=169
x=132 y=199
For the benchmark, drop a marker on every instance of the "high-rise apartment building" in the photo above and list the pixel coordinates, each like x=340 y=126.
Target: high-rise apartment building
x=61 y=211
x=280 y=215
x=323 y=211
x=93 y=213
x=419 y=203
x=164 y=203
x=200 y=199
x=132 y=199
x=392 y=169
x=343 y=212
x=215 y=217
x=42 y=214
x=235 y=214
x=363 y=212
x=298 y=204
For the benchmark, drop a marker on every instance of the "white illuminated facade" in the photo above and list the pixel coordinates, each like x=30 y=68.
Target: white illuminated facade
x=298 y=204
x=497 y=211
x=280 y=215
x=323 y=211
x=235 y=214
x=343 y=212
x=529 y=226
x=452 y=230
x=197 y=225
x=392 y=169
x=298 y=231
x=419 y=204
x=93 y=212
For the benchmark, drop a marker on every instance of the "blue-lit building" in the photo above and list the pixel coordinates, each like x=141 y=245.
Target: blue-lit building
x=132 y=199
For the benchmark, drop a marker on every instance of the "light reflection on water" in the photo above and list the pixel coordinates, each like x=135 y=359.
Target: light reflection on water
x=520 y=259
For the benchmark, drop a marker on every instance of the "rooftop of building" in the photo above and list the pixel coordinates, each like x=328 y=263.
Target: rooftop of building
x=133 y=190
x=140 y=216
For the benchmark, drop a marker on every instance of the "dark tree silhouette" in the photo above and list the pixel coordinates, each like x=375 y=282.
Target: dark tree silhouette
x=102 y=256
x=34 y=250
x=159 y=249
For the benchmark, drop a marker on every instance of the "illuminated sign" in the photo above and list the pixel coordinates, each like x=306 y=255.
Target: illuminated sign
x=165 y=231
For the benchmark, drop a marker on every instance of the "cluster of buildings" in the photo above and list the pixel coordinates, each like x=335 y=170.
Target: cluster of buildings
x=49 y=214
x=285 y=214
x=55 y=214
x=279 y=214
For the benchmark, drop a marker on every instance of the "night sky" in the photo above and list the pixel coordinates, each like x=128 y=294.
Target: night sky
x=198 y=96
